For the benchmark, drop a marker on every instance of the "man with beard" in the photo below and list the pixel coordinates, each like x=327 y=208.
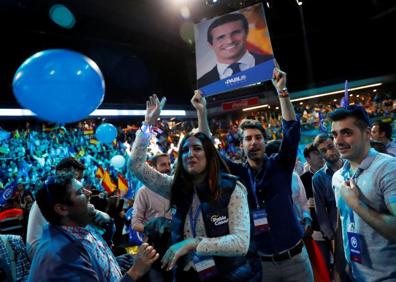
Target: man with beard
x=382 y=132
x=37 y=221
x=365 y=193
x=325 y=205
x=69 y=250
x=277 y=234
x=227 y=37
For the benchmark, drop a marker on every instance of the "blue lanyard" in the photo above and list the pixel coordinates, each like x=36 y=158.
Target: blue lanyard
x=253 y=184
x=193 y=221
x=354 y=177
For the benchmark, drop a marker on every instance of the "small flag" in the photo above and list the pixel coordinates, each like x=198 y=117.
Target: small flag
x=94 y=141
x=122 y=185
x=7 y=193
x=322 y=126
x=16 y=134
x=47 y=128
x=318 y=263
x=88 y=131
x=115 y=143
x=107 y=183
x=99 y=173
x=345 y=100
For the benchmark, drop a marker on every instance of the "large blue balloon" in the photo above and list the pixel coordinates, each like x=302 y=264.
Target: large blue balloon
x=59 y=85
x=106 y=133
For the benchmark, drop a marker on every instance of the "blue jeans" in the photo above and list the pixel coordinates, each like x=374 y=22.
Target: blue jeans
x=295 y=269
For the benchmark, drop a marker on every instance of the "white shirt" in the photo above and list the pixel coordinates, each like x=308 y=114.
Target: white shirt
x=246 y=62
x=34 y=229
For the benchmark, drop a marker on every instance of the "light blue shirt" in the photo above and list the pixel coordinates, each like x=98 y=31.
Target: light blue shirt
x=391 y=148
x=376 y=179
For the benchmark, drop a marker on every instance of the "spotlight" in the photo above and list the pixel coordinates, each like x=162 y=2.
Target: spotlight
x=185 y=12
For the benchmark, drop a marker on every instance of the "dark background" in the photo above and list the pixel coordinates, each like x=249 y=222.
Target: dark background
x=138 y=47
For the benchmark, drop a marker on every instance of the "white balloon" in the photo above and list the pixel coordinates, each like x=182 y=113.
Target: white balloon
x=117 y=161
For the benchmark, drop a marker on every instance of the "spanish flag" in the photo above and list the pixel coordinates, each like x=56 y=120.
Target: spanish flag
x=88 y=131
x=115 y=143
x=107 y=183
x=94 y=141
x=318 y=263
x=99 y=173
x=122 y=185
x=47 y=129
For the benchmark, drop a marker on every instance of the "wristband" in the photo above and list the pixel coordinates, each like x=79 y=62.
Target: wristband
x=145 y=128
x=283 y=93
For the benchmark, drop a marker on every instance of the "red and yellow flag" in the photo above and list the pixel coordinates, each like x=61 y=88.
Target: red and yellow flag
x=122 y=185
x=107 y=183
x=88 y=131
x=115 y=143
x=99 y=173
x=46 y=128
x=94 y=141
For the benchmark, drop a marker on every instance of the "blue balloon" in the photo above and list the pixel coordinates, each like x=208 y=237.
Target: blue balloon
x=59 y=85
x=106 y=133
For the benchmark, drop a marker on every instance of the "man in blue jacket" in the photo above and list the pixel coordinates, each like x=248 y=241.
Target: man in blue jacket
x=69 y=249
x=277 y=234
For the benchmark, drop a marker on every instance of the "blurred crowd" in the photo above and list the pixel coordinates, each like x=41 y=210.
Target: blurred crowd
x=29 y=155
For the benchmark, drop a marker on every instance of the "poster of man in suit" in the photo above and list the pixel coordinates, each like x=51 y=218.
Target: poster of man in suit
x=233 y=51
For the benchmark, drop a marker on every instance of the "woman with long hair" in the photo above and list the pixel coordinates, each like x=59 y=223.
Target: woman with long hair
x=211 y=224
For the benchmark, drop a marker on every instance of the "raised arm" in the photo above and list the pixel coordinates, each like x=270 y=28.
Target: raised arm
x=279 y=82
x=158 y=182
x=199 y=103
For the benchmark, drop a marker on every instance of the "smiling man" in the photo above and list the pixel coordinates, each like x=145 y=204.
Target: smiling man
x=365 y=193
x=227 y=37
x=69 y=249
x=276 y=233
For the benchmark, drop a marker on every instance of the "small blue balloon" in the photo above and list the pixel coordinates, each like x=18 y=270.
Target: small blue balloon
x=106 y=133
x=59 y=85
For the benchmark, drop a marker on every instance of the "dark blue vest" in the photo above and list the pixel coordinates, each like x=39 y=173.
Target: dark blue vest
x=215 y=216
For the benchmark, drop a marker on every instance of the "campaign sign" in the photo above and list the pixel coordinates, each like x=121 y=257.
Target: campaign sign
x=233 y=51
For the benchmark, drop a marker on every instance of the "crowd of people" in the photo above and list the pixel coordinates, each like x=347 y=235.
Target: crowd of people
x=227 y=201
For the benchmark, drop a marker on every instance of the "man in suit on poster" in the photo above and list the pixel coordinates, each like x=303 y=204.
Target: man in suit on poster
x=227 y=37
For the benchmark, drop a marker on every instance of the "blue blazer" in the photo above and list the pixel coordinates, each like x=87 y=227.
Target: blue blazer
x=61 y=258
